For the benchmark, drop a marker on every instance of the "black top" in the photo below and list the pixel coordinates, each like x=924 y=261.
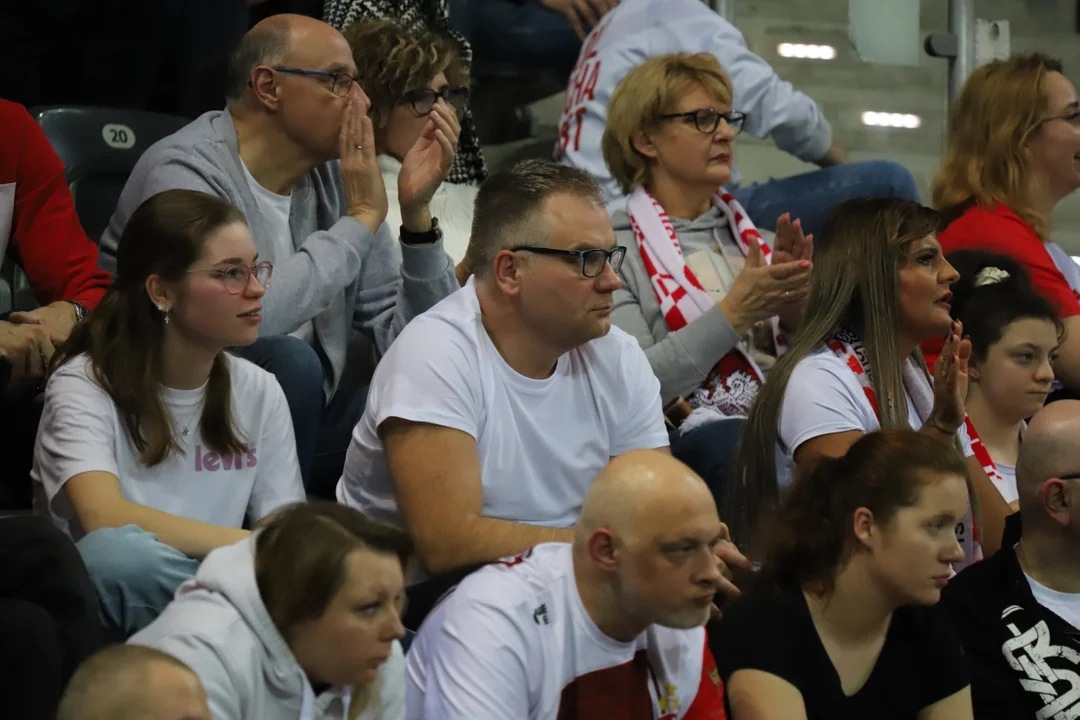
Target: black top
x=1025 y=660
x=920 y=663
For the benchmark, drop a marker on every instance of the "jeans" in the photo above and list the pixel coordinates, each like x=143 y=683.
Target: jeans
x=709 y=450
x=135 y=576
x=48 y=616
x=515 y=39
x=322 y=430
x=812 y=195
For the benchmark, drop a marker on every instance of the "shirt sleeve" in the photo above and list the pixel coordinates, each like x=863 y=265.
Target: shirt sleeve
x=477 y=667
x=817 y=402
x=277 y=477
x=76 y=434
x=642 y=422
x=47 y=239
x=773 y=107
x=429 y=376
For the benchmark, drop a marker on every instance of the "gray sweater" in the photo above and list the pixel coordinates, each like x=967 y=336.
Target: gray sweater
x=341 y=276
x=680 y=359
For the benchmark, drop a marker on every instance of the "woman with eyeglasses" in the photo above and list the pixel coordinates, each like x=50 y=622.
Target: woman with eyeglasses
x=1013 y=154
x=698 y=276
x=155 y=443
x=408 y=76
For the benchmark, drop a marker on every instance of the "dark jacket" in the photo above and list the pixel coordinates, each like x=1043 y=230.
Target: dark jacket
x=1025 y=660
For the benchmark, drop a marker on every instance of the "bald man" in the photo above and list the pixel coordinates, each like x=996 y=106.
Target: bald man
x=130 y=682
x=1018 y=613
x=295 y=151
x=609 y=626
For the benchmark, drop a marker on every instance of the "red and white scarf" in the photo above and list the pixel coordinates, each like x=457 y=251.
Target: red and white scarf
x=849 y=348
x=735 y=380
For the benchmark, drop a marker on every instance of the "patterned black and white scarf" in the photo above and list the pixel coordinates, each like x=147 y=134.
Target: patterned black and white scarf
x=433 y=16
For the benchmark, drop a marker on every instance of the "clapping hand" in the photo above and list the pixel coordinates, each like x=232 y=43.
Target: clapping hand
x=426 y=166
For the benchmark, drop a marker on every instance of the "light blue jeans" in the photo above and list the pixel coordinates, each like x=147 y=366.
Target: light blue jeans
x=810 y=196
x=134 y=574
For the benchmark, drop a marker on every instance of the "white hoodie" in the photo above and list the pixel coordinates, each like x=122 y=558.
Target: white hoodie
x=219 y=627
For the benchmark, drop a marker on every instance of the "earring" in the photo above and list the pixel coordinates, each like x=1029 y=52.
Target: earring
x=164 y=312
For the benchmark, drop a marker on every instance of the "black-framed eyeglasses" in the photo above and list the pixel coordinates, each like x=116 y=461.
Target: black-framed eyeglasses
x=592 y=261
x=340 y=83
x=237 y=277
x=423 y=100
x=706 y=120
x=1074 y=476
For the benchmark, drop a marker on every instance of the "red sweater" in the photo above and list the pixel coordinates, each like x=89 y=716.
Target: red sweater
x=46 y=238
x=1001 y=231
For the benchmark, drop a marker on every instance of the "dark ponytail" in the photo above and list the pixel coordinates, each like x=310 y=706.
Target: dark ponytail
x=124 y=336
x=811 y=535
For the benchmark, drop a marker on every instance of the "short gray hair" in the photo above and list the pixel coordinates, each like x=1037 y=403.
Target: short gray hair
x=111 y=683
x=264 y=44
x=508 y=204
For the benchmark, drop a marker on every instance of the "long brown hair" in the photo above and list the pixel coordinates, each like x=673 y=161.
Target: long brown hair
x=812 y=537
x=125 y=334
x=854 y=286
x=1001 y=105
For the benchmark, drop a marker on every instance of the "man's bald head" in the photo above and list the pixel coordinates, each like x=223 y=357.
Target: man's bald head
x=641 y=493
x=131 y=681
x=274 y=41
x=1051 y=448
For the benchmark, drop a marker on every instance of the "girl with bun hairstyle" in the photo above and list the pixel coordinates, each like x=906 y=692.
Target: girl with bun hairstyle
x=1015 y=339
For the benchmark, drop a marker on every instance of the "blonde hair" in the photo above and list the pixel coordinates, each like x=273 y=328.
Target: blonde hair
x=854 y=286
x=1001 y=106
x=648 y=91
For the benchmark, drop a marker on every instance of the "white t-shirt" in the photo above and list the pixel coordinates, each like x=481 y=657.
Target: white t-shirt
x=1065 y=605
x=514 y=641
x=81 y=431
x=823 y=397
x=540 y=442
x=275 y=210
x=452 y=203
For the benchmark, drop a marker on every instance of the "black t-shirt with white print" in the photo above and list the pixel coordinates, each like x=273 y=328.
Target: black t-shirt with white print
x=920 y=663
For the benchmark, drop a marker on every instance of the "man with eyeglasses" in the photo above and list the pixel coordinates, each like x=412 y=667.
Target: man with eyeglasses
x=1018 y=613
x=295 y=151
x=638 y=29
x=493 y=412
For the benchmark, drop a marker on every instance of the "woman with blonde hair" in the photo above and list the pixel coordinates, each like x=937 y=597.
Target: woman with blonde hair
x=880 y=287
x=697 y=274
x=1013 y=154
x=301 y=620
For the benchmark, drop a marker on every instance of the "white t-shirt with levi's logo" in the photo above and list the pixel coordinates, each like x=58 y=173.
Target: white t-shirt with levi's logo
x=81 y=431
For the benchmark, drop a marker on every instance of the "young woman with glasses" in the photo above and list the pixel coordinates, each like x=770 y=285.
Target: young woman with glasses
x=155 y=443
x=410 y=76
x=697 y=275
x=1013 y=154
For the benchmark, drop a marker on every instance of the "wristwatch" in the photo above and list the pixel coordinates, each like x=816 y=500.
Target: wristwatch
x=80 y=311
x=424 y=238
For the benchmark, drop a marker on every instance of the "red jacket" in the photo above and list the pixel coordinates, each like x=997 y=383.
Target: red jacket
x=46 y=238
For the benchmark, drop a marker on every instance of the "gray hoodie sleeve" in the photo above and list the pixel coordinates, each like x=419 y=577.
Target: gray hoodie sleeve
x=392 y=292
